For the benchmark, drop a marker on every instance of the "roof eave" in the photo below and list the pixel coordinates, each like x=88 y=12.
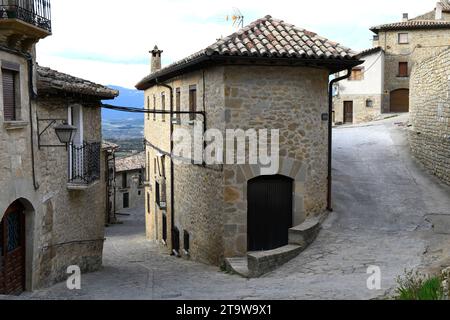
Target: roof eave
x=333 y=65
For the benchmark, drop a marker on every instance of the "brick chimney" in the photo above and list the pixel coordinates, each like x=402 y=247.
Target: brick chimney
x=155 y=59
x=438 y=11
x=405 y=17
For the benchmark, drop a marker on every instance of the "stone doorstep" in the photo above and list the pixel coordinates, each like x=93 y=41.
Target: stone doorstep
x=305 y=233
x=256 y=264
x=237 y=266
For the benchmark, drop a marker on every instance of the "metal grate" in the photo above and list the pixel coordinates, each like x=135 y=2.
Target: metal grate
x=35 y=12
x=85 y=163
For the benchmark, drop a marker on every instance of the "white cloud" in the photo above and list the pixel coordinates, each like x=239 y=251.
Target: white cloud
x=107 y=41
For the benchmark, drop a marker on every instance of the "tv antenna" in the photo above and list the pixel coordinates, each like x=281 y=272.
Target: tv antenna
x=237 y=18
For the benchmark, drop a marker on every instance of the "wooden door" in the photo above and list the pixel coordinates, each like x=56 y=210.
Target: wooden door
x=348 y=111
x=269 y=212
x=400 y=100
x=126 y=200
x=12 y=250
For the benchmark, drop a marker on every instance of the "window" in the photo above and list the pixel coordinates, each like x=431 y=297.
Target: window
x=186 y=241
x=163 y=105
x=176 y=240
x=148 y=203
x=164 y=228
x=357 y=74
x=148 y=107
x=192 y=102
x=403 y=69
x=124 y=180
x=139 y=192
x=403 y=38
x=10 y=101
x=126 y=200
x=154 y=108
x=177 y=104
x=369 y=103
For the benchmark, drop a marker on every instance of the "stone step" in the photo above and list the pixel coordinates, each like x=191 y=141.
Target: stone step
x=305 y=234
x=238 y=266
x=262 y=262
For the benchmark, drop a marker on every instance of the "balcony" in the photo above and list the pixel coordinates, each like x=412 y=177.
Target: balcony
x=84 y=165
x=26 y=21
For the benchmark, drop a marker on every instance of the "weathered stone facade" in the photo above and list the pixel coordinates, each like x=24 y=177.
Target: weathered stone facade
x=430 y=114
x=211 y=202
x=129 y=193
x=361 y=112
x=200 y=211
x=64 y=225
x=72 y=227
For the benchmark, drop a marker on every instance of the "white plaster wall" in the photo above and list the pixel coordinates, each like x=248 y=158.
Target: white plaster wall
x=373 y=82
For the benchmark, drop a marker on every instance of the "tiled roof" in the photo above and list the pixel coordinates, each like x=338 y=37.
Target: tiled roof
x=413 y=24
x=368 y=51
x=134 y=162
x=107 y=145
x=445 y=6
x=50 y=80
x=271 y=39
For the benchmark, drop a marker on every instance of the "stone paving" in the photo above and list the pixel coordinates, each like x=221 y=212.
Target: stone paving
x=384 y=209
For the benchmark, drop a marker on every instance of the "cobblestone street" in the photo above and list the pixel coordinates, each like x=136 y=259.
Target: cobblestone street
x=385 y=205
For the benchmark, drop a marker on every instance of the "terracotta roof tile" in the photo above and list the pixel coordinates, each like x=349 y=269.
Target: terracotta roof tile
x=413 y=24
x=52 y=80
x=134 y=162
x=270 y=38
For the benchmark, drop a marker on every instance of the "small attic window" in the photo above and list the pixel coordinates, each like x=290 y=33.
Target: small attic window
x=403 y=38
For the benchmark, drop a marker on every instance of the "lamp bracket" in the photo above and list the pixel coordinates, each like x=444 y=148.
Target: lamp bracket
x=51 y=122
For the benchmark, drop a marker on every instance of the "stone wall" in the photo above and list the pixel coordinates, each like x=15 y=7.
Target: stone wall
x=422 y=44
x=134 y=190
x=361 y=112
x=292 y=101
x=72 y=229
x=430 y=114
x=210 y=202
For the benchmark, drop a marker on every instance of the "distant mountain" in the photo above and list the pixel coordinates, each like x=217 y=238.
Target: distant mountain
x=124 y=125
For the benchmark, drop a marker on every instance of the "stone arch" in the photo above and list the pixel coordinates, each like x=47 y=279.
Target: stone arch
x=29 y=213
x=290 y=168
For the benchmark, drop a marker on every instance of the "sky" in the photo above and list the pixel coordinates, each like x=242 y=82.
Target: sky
x=108 y=41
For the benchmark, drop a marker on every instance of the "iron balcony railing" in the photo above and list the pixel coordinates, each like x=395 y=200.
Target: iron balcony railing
x=35 y=12
x=84 y=163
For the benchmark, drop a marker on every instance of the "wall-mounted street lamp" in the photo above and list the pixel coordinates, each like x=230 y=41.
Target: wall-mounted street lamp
x=64 y=132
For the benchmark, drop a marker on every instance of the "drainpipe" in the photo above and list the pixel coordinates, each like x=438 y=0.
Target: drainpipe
x=32 y=95
x=172 y=171
x=330 y=137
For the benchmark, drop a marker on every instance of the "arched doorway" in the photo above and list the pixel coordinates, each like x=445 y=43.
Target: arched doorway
x=12 y=250
x=269 y=212
x=399 y=100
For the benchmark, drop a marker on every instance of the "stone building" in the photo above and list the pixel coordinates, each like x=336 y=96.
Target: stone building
x=129 y=181
x=430 y=114
x=52 y=202
x=268 y=75
x=403 y=44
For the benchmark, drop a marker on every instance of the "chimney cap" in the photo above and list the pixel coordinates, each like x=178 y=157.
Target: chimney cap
x=156 y=50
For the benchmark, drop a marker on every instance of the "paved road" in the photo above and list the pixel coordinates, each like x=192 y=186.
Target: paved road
x=385 y=207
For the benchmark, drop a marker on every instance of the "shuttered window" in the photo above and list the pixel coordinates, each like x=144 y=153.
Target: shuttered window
x=9 y=95
x=163 y=106
x=403 y=69
x=357 y=74
x=192 y=102
x=178 y=104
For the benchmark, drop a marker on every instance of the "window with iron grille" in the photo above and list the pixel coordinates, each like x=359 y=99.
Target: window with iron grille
x=10 y=85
